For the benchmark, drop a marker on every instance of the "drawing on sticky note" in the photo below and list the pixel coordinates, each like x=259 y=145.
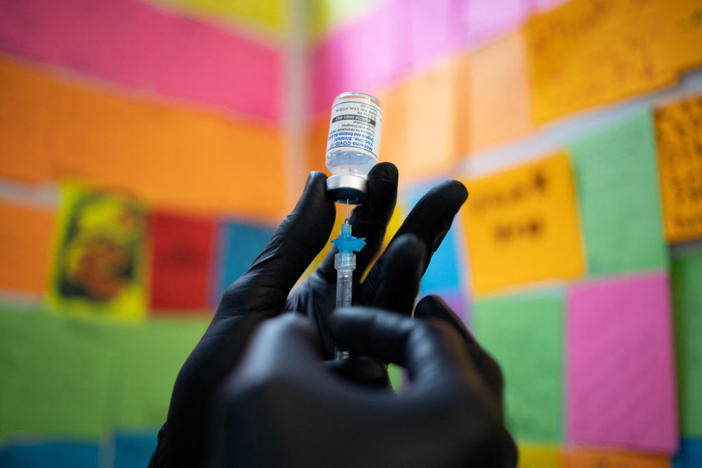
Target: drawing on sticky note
x=98 y=258
x=679 y=137
x=522 y=226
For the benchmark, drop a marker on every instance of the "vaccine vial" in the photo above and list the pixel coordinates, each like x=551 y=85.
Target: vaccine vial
x=352 y=145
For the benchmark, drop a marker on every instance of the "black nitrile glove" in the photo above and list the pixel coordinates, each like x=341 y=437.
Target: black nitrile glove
x=281 y=408
x=262 y=292
x=393 y=282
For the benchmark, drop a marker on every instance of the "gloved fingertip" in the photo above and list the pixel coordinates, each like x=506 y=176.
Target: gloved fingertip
x=384 y=172
x=433 y=306
x=456 y=191
x=314 y=180
x=407 y=251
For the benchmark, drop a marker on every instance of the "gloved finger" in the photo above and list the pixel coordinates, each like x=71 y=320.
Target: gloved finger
x=429 y=220
x=433 y=307
x=363 y=371
x=370 y=219
x=402 y=273
x=299 y=238
x=285 y=345
x=432 y=352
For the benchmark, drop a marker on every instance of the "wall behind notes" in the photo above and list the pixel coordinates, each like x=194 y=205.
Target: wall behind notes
x=148 y=148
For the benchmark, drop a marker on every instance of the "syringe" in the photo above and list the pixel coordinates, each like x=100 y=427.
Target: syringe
x=345 y=264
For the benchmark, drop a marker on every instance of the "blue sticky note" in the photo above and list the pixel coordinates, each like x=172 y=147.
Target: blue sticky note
x=239 y=245
x=56 y=454
x=689 y=455
x=133 y=449
x=444 y=272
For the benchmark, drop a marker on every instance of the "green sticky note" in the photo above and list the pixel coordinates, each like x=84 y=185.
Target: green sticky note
x=618 y=194
x=57 y=374
x=151 y=356
x=524 y=333
x=686 y=278
x=395 y=375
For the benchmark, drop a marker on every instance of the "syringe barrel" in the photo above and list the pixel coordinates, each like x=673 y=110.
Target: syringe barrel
x=345 y=264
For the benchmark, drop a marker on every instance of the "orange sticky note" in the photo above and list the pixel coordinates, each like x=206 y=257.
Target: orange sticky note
x=539 y=456
x=679 y=135
x=172 y=157
x=521 y=226
x=605 y=459
x=499 y=102
x=25 y=246
x=317 y=132
x=584 y=53
x=26 y=98
x=419 y=131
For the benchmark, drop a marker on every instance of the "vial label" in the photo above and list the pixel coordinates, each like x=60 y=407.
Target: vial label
x=355 y=124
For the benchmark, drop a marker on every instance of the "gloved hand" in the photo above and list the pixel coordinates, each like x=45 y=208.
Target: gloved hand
x=262 y=292
x=281 y=408
x=393 y=282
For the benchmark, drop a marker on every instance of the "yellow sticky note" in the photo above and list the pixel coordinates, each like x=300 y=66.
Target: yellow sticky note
x=601 y=458
x=25 y=244
x=539 y=456
x=98 y=260
x=584 y=53
x=679 y=135
x=521 y=226
x=499 y=103
x=268 y=15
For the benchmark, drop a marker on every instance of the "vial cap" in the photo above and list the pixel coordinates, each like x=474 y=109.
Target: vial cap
x=353 y=188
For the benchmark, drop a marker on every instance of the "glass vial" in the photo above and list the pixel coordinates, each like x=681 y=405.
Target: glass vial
x=352 y=145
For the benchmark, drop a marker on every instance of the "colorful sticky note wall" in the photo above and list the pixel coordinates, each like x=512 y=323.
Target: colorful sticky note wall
x=620 y=364
x=524 y=333
x=178 y=105
x=679 y=137
x=521 y=226
x=615 y=171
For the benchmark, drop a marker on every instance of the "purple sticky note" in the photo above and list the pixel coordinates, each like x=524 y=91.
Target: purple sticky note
x=620 y=366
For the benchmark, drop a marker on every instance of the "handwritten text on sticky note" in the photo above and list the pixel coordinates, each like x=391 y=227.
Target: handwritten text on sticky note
x=587 y=53
x=522 y=226
x=679 y=135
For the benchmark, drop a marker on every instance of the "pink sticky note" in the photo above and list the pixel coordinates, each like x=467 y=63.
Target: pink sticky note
x=545 y=5
x=364 y=55
x=620 y=366
x=435 y=29
x=489 y=18
x=134 y=44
